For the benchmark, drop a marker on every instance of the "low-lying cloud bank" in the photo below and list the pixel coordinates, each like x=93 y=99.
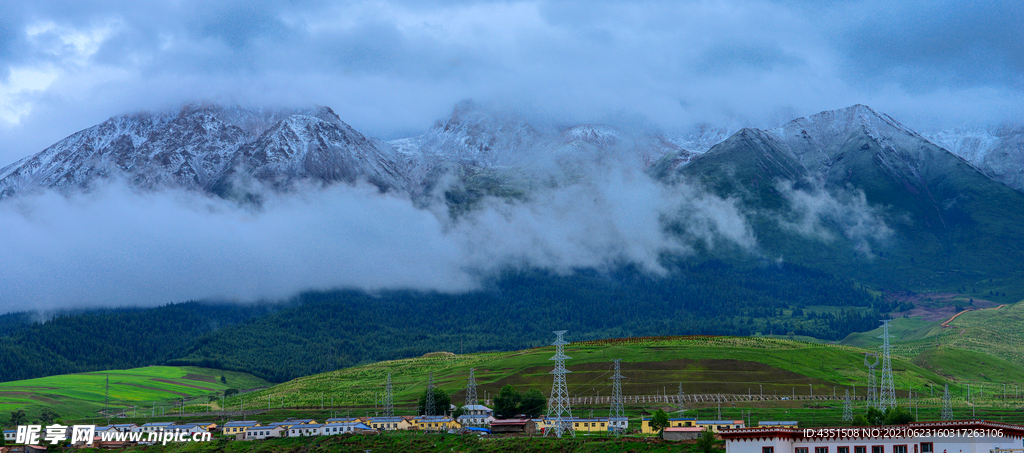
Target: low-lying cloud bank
x=116 y=246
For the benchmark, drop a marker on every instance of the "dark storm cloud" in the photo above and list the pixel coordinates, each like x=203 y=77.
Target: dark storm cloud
x=393 y=68
x=930 y=45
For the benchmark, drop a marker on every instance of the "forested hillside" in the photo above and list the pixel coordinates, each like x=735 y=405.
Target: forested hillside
x=325 y=331
x=104 y=339
x=322 y=331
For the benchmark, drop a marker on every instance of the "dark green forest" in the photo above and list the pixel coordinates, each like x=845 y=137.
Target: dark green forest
x=321 y=331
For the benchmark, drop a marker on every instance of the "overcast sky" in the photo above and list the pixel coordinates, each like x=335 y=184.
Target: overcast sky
x=392 y=68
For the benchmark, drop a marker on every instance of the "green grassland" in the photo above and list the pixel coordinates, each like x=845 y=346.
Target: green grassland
x=703 y=365
x=84 y=394
x=981 y=346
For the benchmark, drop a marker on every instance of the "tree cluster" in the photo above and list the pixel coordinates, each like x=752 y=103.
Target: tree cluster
x=509 y=403
x=442 y=402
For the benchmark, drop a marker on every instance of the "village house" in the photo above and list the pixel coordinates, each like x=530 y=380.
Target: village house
x=304 y=430
x=435 y=423
x=590 y=425
x=681 y=433
x=777 y=424
x=476 y=415
x=265 y=432
x=155 y=427
x=334 y=429
x=514 y=425
x=234 y=428
x=645 y=424
x=387 y=423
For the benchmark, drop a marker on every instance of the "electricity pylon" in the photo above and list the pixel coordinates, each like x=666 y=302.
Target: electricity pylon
x=872 y=385
x=559 y=411
x=389 y=400
x=617 y=414
x=947 y=405
x=887 y=399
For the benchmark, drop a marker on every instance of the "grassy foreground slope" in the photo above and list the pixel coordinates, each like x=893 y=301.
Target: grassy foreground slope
x=657 y=365
x=84 y=394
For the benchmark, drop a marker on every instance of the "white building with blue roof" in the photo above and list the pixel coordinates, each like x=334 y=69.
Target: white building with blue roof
x=334 y=429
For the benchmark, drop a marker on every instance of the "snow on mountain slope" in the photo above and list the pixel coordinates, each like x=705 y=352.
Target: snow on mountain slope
x=998 y=151
x=200 y=145
x=321 y=146
x=815 y=140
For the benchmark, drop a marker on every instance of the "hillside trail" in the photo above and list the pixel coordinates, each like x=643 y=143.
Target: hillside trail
x=962 y=330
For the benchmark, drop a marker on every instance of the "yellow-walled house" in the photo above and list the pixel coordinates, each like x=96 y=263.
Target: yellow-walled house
x=234 y=428
x=718 y=425
x=435 y=423
x=645 y=424
x=590 y=425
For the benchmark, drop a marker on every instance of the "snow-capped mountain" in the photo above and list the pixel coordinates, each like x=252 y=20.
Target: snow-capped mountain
x=996 y=150
x=473 y=134
x=203 y=147
x=817 y=140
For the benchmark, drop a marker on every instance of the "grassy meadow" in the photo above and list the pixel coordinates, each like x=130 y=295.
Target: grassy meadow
x=84 y=394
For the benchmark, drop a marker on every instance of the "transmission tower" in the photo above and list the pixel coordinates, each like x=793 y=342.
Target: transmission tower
x=389 y=400
x=617 y=414
x=887 y=398
x=872 y=385
x=471 y=390
x=428 y=406
x=847 y=408
x=559 y=412
x=679 y=399
x=947 y=405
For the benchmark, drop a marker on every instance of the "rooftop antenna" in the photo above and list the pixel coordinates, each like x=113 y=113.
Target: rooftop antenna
x=872 y=385
x=559 y=410
x=617 y=414
x=887 y=399
x=389 y=400
x=428 y=409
